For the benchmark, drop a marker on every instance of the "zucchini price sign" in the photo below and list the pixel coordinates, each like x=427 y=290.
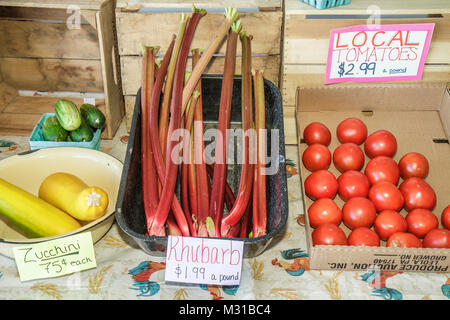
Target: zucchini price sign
x=378 y=52
x=55 y=258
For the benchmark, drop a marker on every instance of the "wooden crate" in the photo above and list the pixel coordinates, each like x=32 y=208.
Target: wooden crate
x=153 y=23
x=46 y=55
x=306 y=39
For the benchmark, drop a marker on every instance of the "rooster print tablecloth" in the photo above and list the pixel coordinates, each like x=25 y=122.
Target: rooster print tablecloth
x=124 y=271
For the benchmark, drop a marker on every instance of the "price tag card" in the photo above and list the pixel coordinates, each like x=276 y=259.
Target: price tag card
x=378 y=52
x=89 y=100
x=203 y=260
x=55 y=258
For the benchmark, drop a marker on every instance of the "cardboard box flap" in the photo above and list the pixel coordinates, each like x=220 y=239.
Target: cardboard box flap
x=399 y=97
x=445 y=112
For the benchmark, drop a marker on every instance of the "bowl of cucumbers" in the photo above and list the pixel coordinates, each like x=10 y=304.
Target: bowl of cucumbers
x=69 y=126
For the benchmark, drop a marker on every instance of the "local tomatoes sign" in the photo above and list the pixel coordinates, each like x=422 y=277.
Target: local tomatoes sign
x=378 y=53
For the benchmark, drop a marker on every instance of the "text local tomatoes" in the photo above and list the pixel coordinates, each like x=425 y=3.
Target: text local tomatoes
x=382 y=168
x=389 y=222
x=324 y=211
x=321 y=184
x=358 y=212
x=421 y=221
x=380 y=143
x=386 y=196
x=363 y=237
x=351 y=130
x=316 y=157
x=353 y=183
x=317 y=132
x=417 y=194
x=413 y=164
x=328 y=234
x=348 y=156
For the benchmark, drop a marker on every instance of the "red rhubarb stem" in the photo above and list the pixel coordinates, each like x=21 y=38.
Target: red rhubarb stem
x=259 y=191
x=246 y=179
x=149 y=180
x=202 y=180
x=170 y=179
x=220 y=168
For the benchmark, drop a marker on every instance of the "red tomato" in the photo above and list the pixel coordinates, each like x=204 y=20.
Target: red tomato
x=353 y=183
x=413 y=164
x=321 y=184
x=316 y=157
x=317 y=132
x=324 y=211
x=386 y=196
x=382 y=168
x=329 y=234
x=380 y=143
x=445 y=217
x=437 y=238
x=403 y=240
x=389 y=222
x=358 y=212
x=418 y=194
x=421 y=221
x=351 y=130
x=348 y=156
x=363 y=237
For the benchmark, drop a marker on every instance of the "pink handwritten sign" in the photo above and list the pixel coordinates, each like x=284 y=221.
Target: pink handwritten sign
x=203 y=260
x=378 y=52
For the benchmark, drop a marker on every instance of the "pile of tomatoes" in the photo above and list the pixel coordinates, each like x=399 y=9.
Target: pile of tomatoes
x=373 y=198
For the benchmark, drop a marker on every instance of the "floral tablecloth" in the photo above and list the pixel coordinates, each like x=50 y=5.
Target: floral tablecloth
x=124 y=271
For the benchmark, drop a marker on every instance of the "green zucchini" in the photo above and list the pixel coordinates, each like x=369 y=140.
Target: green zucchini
x=94 y=116
x=52 y=130
x=68 y=114
x=83 y=133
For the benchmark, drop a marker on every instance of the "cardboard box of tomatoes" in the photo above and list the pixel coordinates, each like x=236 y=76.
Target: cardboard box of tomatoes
x=375 y=176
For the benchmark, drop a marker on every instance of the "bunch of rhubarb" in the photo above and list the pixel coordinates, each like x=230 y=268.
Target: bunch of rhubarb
x=172 y=129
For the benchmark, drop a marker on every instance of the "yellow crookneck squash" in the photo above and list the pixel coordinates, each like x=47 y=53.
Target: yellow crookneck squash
x=72 y=195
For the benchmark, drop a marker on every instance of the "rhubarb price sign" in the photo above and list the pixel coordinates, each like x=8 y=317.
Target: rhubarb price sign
x=378 y=53
x=203 y=260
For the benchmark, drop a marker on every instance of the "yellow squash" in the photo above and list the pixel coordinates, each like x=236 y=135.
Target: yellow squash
x=34 y=216
x=72 y=195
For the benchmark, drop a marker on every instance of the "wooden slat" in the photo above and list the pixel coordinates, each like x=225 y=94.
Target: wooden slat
x=290 y=126
x=307 y=40
x=128 y=5
x=131 y=66
x=295 y=75
x=110 y=69
x=7 y=93
x=58 y=4
x=52 y=74
x=129 y=109
x=29 y=39
x=361 y=7
x=137 y=29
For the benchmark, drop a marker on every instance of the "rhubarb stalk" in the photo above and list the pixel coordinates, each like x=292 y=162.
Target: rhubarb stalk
x=202 y=183
x=259 y=190
x=165 y=106
x=231 y=15
x=246 y=179
x=220 y=168
x=170 y=178
x=149 y=180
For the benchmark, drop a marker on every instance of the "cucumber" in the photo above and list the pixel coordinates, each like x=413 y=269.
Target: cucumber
x=94 y=116
x=68 y=114
x=83 y=133
x=52 y=130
